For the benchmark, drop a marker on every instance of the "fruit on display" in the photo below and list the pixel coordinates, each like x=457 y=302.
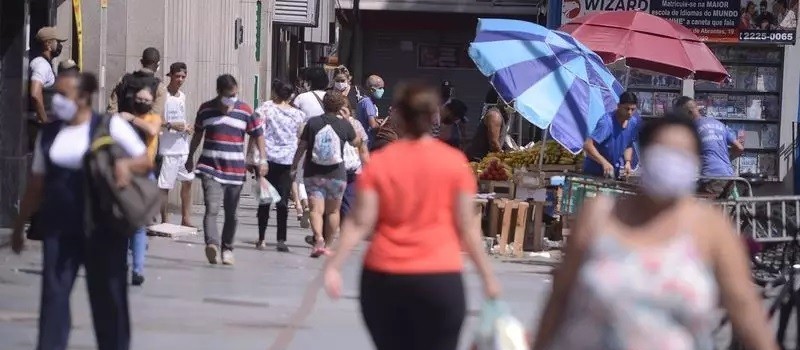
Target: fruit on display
x=554 y=154
x=495 y=170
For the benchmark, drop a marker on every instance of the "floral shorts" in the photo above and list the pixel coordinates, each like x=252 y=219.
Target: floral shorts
x=325 y=188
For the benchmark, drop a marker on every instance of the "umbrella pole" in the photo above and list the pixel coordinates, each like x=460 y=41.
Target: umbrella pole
x=627 y=76
x=543 y=149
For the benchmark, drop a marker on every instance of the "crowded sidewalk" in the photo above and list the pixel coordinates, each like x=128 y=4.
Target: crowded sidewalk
x=188 y=304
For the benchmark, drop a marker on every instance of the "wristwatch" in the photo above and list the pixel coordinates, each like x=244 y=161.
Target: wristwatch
x=169 y=126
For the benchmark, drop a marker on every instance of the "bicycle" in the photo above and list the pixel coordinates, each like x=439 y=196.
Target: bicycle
x=776 y=271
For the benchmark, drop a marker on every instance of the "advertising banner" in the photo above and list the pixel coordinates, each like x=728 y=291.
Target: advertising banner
x=728 y=21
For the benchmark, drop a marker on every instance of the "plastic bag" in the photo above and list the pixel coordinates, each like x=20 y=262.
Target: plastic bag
x=265 y=192
x=499 y=329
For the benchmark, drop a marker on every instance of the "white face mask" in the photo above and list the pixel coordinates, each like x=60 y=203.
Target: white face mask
x=668 y=173
x=340 y=86
x=229 y=101
x=64 y=108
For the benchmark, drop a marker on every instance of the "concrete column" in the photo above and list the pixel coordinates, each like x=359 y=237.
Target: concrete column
x=265 y=59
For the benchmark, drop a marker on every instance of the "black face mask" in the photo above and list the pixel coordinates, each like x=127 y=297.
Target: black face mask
x=141 y=107
x=57 y=51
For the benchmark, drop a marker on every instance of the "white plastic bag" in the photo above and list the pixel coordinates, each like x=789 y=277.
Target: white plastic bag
x=265 y=192
x=499 y=329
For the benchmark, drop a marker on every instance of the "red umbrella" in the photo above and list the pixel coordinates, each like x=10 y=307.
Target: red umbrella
x=647 y=42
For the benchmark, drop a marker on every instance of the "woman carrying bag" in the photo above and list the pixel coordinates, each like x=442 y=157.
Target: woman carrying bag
x=56 y=189
x=416 y=194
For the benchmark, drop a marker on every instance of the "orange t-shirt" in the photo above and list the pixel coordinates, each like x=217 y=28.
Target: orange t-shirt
x=417 y=182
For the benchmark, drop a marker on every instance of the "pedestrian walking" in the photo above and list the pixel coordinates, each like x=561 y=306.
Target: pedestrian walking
x=173 y=146
x=56 y=188
x=282 y=124
x=367 y=110
x=646 y=271
x=321 y=149
x=416 y=194
x=121 y=99
x=355 y=158
x=223 y=121
x=148 y=125
x=49 y=44
x=315 y=82
x=343 y=82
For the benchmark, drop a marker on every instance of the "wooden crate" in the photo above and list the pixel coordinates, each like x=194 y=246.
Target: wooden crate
x=502 y=189
x=517 y=217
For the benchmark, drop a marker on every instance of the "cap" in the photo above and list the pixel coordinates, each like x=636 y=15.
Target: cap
x=49 y=33
x=64 y=65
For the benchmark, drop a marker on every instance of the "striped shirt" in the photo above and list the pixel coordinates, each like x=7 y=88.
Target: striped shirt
x=223 y=149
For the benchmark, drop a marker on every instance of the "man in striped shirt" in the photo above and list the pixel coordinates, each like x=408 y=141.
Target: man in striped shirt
x=223 y=121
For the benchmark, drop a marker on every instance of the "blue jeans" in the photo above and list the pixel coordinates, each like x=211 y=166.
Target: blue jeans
x=138 y=247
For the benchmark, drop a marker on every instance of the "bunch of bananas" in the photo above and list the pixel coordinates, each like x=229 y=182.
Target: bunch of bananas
x=554 y=154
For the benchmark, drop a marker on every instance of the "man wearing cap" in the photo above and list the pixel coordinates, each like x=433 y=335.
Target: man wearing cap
x=42 y=76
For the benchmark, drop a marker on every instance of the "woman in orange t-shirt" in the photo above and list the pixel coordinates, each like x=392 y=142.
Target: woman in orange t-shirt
x=417 y=194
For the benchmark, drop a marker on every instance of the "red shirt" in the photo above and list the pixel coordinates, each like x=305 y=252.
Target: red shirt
x=417 y=182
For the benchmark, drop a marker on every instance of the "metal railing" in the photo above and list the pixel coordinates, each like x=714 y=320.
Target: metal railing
x=764 y=219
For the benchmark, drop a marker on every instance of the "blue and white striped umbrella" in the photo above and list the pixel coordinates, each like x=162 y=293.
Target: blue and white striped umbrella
x=547 y=76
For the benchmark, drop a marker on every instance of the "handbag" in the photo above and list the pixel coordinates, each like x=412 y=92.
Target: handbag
x=120 y=210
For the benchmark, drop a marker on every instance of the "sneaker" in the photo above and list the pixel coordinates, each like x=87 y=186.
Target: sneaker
x=261 y=245
x=137 y=279
x=227 y=257
x=305 y=220
x=211 y=254
x=282 y=247
x=319 y=249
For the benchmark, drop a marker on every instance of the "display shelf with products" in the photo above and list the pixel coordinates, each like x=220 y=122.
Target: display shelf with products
x=749 y=103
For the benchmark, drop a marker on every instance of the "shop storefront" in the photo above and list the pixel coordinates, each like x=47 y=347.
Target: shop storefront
x=755 y=41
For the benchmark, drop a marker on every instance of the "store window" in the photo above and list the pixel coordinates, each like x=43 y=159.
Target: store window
x=656 y=92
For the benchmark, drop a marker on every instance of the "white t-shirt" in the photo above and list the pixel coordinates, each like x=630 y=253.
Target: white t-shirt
x=72 y=143
x=42 y=71
x=171 y=142
x=309 y=104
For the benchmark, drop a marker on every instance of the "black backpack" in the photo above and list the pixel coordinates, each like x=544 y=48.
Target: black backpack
x=121 y=210
x=131 y=84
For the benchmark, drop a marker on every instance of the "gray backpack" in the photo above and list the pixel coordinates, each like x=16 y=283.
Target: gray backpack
x=119 y=210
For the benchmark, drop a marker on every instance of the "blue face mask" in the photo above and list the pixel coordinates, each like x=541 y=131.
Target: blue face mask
x=378 y=94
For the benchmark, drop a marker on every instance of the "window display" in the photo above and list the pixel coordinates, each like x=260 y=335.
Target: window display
x=749 y=103
x=656 y=92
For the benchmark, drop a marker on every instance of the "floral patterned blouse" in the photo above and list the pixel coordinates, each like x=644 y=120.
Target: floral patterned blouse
x=281 y=126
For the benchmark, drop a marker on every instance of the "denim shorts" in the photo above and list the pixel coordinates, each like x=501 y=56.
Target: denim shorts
x=325 y=188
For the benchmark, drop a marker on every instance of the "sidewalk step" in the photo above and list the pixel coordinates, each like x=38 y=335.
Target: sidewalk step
x=170 y=230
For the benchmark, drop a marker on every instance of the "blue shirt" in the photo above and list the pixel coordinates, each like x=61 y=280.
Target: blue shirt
x=714 y=140
x=611 y=140
x=365 y=111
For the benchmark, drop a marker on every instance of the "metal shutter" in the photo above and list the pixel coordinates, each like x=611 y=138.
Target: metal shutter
x=303 y=13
